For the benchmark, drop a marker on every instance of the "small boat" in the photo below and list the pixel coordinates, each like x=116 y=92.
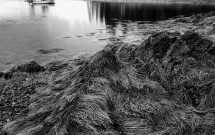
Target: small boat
x=43 y=2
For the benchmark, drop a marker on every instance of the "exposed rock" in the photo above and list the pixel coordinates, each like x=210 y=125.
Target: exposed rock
x=126 y=53
x=195 y=42
x=182 y=20
x=212 y=31
x=80 y=61
x=160 y=43
x=56 y=65
x=30 y=67
x=55 y=50
x=157 y=45
x=8 y=75
x=1 y=74
x=197 y=18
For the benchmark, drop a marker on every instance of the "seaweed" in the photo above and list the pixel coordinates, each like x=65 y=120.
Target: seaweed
x=164 y=86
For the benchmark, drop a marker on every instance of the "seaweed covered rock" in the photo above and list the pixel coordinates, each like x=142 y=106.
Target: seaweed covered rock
x=56 y=65
x=196 y=18
x=157 y=45
x=1 y=74
x=55 y=50
x=195 y=42
x=163 y=86
x=200 y=17
x=30 y=67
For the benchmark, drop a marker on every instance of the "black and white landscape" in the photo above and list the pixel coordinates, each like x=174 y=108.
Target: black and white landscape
x=104 y=67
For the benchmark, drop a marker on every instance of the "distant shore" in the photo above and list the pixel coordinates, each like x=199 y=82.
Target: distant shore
x=162 y=1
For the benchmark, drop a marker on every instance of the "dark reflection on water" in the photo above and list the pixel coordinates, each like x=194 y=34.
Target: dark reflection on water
x=143 y=11
x=44 y=9
x=119 y=13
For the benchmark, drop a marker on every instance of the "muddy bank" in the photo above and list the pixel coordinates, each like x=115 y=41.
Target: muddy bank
x=164 y=85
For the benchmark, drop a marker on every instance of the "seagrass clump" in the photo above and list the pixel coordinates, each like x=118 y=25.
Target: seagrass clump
x=164 y=86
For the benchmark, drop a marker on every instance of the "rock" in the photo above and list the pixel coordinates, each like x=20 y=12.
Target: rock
x=54 y=66
x=182 y=20
x=212 y=31
x=3 y=133
x=195 y=42
x=30 y=67
x=199 y=47
x=126 y=53
x=1 y=74
x=197 y=18
x=160 y=43
x=212 y=51
x=8 y=75
x=55 y=50
x=80 y=61
x=157 y=45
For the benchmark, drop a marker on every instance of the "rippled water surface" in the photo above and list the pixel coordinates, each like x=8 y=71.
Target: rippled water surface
x=78 y=27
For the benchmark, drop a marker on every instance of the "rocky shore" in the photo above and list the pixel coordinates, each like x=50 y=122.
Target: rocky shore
x=163 y=86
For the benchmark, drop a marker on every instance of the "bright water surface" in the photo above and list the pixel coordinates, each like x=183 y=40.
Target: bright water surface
x=76 y=26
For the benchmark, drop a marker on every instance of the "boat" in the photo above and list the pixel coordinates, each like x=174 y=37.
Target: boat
x=43 y=2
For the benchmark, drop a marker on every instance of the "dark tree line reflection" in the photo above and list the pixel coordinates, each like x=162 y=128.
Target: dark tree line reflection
x=142 y=11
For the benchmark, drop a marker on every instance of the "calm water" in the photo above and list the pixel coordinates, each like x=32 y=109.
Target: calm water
x=77 y=26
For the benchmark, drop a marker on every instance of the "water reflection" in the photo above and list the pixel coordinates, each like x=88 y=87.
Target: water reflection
x=111 y=12
x=35 y=10
x=32 y=10
x=44 y=9
x=117 y=15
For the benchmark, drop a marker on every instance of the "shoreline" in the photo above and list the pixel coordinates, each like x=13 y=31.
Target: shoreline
x=122 y=71
x=159 y=1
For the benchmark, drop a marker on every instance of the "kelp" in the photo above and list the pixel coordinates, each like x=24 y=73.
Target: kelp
x=164 y=86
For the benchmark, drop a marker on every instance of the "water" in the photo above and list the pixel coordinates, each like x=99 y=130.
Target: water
x=77 y=26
